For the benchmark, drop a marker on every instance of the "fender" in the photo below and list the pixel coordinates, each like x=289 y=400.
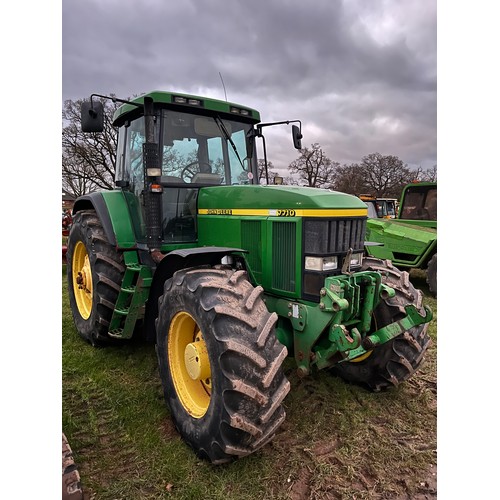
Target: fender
x=172 y=262
x=110 y=207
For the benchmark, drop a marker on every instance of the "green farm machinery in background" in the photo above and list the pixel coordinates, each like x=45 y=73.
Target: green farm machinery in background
x=229 y=277
x=410 y=240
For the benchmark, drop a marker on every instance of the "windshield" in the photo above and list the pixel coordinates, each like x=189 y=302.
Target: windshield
x=420 y=203
x=391 y=209
x=198 y=149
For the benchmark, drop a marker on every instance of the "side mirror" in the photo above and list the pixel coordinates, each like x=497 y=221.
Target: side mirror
x=296 y=136
x=92 y=116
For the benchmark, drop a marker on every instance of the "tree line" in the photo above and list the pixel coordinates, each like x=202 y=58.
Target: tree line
x=88 y=163
x=382 y=176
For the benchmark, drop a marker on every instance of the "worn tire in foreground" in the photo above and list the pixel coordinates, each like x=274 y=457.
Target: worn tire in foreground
x=220 y=362
x=95 y=273
x=397 y=360
x=71 y=487
x=432 y=275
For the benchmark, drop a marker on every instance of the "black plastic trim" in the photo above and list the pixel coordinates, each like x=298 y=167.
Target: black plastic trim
x=95 y=201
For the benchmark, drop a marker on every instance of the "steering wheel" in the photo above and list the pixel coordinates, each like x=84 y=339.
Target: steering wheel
x=188 y=172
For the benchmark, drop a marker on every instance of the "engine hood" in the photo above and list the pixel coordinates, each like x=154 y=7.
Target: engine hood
x=268 y=199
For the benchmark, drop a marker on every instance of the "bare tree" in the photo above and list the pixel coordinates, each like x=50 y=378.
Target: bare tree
x=88 y=159
x=429 y=175
x=385 y=175
x=377 y=175
x=314 y=167
x=349 y=179
x=290 y=181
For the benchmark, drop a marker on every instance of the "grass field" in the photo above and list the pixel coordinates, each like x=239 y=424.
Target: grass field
x=338 y=442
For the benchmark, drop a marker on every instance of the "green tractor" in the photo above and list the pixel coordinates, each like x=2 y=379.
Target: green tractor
x=410 y=240
x=229 y=277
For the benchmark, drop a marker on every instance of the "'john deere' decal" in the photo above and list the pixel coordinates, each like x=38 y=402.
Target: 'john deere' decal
x=219 y=211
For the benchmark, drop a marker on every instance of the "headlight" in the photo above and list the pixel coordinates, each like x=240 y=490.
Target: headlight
x=321 y=263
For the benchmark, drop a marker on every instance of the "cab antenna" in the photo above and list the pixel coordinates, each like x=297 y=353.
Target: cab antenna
x=223 y=86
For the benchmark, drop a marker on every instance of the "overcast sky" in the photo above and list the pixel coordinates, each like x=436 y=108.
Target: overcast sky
x=360 y=75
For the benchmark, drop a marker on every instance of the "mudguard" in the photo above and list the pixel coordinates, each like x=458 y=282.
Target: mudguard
x=110 y=207
x=172 y=262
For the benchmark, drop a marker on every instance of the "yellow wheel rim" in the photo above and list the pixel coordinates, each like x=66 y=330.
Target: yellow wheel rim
x=82 y=280
x=362 y=357
x=189 y=364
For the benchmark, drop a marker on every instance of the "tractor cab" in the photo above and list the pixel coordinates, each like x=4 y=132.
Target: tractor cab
x=194 y=152
x=172 y=145
x=192 y=148
x=419 y=202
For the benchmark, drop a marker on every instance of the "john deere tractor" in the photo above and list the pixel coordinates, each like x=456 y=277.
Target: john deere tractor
x=229 y=277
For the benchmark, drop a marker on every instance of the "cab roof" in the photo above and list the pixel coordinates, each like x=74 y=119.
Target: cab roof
x=179 y=101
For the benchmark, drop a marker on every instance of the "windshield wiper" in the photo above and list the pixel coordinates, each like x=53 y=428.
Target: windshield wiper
x=226 y=135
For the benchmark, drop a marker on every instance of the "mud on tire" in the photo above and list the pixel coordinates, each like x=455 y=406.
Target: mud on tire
x=247 y=386
x=71 y=486
x=397 y=360
x=106 y=268
x=431 y=273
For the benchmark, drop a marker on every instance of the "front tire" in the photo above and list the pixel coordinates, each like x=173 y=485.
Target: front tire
x=95 y=273
x=220 y=362
x=398 y=359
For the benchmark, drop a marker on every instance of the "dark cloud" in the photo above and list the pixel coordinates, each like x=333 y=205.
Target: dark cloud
x=360 y=75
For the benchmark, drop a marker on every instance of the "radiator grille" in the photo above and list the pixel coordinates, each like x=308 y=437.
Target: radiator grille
x=284 y=255
x=328 y=237
x=251 y=241
x=333 y=236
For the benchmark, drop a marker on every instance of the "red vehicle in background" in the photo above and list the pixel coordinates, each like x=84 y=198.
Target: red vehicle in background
x=67 y=220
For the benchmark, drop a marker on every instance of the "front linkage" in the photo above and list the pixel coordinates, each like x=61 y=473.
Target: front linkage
x=343 y=325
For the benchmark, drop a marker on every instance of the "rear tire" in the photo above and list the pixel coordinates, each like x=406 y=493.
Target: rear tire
x=397 y=360
x=226 y=399
x=432 y=275
x=95 y=274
